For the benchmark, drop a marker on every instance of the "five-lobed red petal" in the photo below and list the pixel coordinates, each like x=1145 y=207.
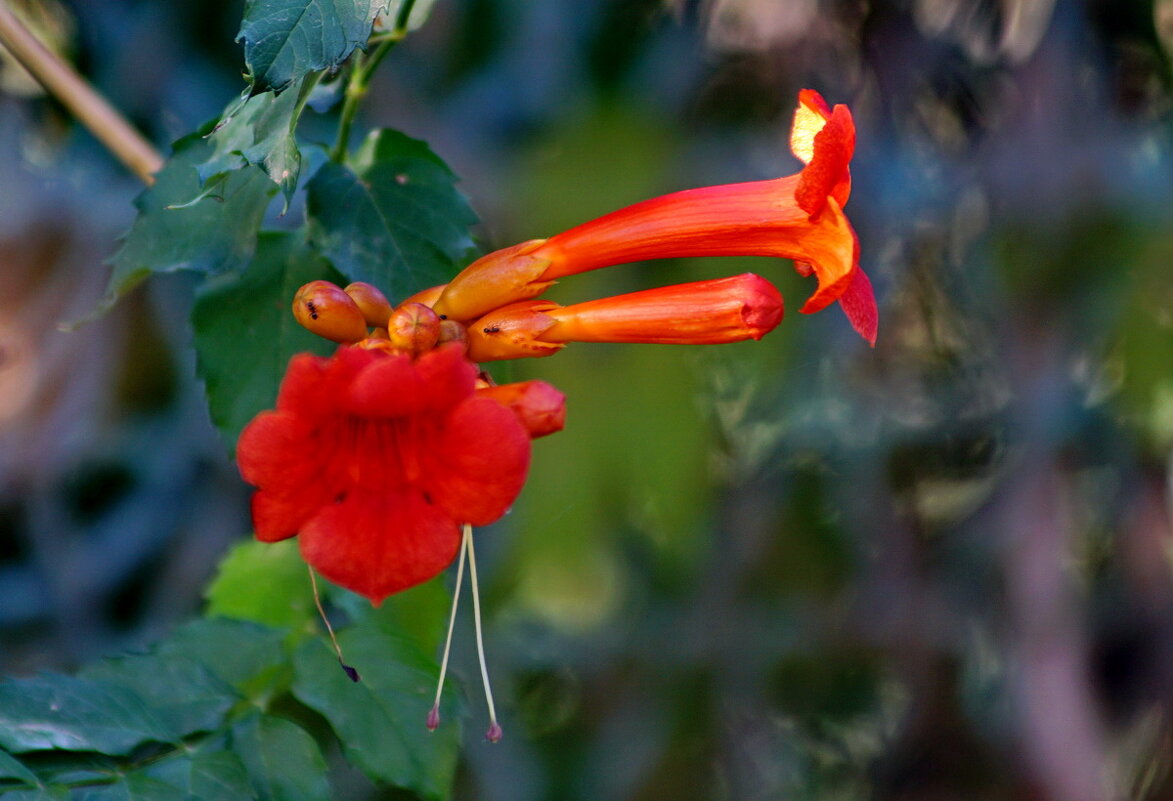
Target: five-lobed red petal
x=375 y=460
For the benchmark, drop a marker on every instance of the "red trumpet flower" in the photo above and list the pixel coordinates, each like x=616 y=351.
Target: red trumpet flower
x=799 y=217
x=375 y=461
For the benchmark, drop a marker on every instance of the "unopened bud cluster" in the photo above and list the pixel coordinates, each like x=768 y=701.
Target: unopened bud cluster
x=360 y=314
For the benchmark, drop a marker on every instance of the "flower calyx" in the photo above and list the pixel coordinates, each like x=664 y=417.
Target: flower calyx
x=513 y=331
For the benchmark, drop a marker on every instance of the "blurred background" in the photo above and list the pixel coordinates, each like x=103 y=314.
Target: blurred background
x=793 y=569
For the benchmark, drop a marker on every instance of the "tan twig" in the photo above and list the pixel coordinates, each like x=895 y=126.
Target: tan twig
x=90 y=108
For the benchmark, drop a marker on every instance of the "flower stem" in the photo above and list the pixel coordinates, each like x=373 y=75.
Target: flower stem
x=90 y=108
x=362 y=68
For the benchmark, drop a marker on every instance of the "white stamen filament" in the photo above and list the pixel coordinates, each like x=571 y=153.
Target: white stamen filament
x=434 y=715
x=494 y=732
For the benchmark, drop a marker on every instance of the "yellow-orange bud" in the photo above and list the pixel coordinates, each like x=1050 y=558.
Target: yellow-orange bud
x=428 y=296
x=374 y=304
x=452 y=331
x=329 y=312
x=504 y=276
x=414 y=328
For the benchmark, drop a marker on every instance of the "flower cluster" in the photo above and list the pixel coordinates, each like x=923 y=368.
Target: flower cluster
x=381 y=457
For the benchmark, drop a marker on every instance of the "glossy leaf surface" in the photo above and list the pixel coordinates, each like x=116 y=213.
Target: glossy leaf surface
x=392 y=217
x=380 y=720
x=245 y=332
x=286 y=39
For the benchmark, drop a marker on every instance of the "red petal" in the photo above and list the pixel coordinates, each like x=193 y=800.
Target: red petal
x=379 y=543
x=388 y=387
x=269 y=444
x=827 y=173
x=278 y=515
x=831 y=248
x=481 y=463
x=302 y=383
x=859 y=304
x=448 y=376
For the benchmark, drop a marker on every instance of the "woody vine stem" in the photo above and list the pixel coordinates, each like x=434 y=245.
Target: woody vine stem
x=116 y=133
x=91 y=109
x=363 y=67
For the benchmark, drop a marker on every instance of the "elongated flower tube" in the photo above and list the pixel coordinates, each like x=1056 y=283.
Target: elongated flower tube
x=709 y=312
x=799 y=217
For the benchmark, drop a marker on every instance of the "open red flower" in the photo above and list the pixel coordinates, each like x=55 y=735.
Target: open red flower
x=799 y=217
x=375 y=460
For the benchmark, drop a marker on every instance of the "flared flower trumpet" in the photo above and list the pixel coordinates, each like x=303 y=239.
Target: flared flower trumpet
x=375 y=461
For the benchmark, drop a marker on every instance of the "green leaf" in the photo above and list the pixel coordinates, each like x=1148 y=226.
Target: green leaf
x=245 y=333
x=380 y=720
x=264 y=582
x=420 y=612
x=208 y=773
x=72 y=767
x=286 y=39
x=182 y=691
x=12 y=768
x=393 y=217
x=259 y=132
x=51 y=792
x=236 y=651
x=282 y=760
x=182 y=225
x=55 y=711
x=134 y=787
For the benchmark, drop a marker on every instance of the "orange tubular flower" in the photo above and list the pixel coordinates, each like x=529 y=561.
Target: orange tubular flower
x=799 y=217
x=699 y=313
x=375 y=461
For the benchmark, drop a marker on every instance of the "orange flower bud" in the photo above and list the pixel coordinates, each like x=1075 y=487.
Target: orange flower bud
x=452 y=331
x=540 y=407
x=512 y=332
x=329 y=312
x=414 y=328
x=699 y=313
x=513 y=273
x=428 y=296
x=374 y=304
